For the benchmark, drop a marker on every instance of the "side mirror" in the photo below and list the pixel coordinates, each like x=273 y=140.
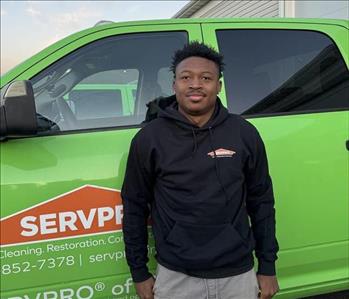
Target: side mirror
x=17 y=111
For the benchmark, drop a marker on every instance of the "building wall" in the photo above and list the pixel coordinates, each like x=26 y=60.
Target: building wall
x=234 y=8
x=337 y=9
x=322 y=9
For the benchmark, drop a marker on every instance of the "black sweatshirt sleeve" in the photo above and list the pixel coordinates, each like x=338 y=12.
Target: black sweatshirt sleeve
x=260 y=205
x=136 y=195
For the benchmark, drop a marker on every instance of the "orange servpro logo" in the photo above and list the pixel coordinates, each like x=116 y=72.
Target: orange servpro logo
x=221 y=153
x=82 y=211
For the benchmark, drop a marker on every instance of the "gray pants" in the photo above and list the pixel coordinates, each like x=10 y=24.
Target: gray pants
x=175 y=285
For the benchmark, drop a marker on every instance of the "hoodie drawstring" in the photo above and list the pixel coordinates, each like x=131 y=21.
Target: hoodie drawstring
x=217 y=166
x=195 y=145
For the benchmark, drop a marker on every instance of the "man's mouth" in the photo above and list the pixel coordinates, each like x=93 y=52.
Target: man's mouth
x=195 y=96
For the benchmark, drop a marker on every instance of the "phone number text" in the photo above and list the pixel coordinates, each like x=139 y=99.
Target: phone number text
x=40 y=264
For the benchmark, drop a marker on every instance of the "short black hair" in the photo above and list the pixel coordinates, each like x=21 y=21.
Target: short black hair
x=197 y=49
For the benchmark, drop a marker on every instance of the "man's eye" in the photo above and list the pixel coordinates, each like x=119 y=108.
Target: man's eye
x=206 y=78
x=185 y=77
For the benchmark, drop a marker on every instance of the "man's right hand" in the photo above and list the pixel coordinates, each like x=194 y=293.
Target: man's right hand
x=144 y=289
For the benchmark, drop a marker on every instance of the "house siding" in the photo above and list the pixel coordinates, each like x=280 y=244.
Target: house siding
x=234 y=8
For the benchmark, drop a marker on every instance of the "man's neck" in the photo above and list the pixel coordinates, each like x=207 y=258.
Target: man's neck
x=198 y=120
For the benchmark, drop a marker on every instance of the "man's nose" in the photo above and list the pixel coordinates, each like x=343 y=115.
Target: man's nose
x=195 y=83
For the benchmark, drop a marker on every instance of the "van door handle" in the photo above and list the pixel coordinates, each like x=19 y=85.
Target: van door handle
x=347 y=144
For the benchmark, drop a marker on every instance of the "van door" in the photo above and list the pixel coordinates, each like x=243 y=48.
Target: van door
x=60 y=202
x=291 y=81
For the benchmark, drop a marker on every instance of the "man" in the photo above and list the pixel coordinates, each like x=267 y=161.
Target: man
x=201 y=172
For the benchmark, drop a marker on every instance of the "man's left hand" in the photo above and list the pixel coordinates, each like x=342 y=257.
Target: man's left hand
x=268 y=286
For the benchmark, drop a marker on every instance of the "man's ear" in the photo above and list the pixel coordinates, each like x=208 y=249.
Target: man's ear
x=219 y=86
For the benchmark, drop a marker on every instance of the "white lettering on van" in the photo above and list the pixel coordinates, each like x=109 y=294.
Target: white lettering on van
x=26 y=223
x=50 y=295
x=69 y=221
x=46 y=223
x=86 y=222
x=104 y=214
x=118 y=214
x=119 y=289
x=67 y=293
x=84 y=292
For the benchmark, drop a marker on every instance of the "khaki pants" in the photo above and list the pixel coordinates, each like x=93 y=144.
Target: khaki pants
x=175 y=285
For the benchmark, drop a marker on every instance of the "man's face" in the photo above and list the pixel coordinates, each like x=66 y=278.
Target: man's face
x=196 y=86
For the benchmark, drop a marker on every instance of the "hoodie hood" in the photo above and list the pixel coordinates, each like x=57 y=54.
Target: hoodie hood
x=167 y=108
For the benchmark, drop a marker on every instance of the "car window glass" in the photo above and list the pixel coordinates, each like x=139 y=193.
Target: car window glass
x=165 y=79
x=104 y=94
x=106 y=83
x=278 y=71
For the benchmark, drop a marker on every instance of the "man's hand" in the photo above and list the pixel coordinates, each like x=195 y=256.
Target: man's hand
x=268 y=285
x=144 y=289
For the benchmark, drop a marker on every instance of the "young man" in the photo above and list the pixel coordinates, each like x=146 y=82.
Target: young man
x=202 y=173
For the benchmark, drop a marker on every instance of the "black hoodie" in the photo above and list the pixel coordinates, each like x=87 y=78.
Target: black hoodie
x=200 y=184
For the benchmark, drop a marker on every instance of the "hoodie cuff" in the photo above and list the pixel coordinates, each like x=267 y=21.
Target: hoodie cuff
x=266 y=268
x=140 y=274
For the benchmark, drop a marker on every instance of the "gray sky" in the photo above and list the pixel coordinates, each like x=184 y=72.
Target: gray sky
x=29 y=26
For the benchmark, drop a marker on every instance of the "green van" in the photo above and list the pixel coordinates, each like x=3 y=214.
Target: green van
x=68 y=115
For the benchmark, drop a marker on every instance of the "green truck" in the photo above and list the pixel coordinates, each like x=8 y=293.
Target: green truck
x=68 y=115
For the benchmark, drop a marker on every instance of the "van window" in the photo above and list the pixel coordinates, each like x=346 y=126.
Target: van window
x=165 y=80
x=278 y=71
x=106 y=83
x=104 y=94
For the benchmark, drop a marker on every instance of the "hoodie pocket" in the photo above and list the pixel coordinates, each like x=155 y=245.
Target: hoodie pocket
x=204 y=246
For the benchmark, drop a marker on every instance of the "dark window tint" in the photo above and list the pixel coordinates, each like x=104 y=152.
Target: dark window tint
x=275 y=71
x=106 y=83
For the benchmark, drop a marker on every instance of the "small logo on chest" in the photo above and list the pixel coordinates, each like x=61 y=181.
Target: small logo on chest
x=221 y=153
